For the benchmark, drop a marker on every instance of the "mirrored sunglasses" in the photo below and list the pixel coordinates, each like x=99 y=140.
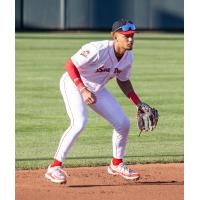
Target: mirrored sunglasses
x=127 y=27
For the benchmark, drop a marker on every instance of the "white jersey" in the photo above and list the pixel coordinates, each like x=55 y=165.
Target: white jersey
x=97 y=64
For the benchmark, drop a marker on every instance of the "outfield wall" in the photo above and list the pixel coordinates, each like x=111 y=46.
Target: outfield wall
x=98 y=14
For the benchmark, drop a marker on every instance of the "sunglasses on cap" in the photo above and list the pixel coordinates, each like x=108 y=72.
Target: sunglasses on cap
x=127 y=27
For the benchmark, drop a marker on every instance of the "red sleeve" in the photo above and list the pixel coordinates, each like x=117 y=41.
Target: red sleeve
x=133 y=97
x=74 y=74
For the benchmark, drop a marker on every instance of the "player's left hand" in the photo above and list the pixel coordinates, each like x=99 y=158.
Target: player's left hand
x=147 y=118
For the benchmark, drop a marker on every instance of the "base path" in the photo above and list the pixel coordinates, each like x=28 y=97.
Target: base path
x=157 y=182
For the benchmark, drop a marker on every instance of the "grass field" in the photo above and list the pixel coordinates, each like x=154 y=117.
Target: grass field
x=40 y=113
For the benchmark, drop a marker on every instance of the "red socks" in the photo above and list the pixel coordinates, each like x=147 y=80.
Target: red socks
x=56 y=163
x=116 y=161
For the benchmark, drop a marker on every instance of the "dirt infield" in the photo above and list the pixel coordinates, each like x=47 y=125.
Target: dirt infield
x=157 y=182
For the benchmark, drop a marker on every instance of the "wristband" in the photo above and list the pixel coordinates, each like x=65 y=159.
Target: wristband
x=81 y=89
x=133 y=97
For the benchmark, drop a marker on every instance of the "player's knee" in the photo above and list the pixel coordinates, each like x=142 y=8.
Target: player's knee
x=80 y=124
x=123 y=125
x=126 y=124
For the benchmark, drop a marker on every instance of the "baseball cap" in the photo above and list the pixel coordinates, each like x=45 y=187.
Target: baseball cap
x=124 y=27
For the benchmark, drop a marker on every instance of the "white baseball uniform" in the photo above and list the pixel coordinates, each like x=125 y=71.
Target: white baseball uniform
x=97 y=64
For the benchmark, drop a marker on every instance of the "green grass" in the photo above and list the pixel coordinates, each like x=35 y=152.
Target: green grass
x=40 y=113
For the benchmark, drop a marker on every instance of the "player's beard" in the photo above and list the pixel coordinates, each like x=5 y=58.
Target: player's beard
x=129 y=47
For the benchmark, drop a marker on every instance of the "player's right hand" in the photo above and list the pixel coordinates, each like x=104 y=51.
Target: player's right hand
x=88 y=97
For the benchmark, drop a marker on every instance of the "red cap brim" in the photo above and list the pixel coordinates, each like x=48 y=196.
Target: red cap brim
x=128 y=32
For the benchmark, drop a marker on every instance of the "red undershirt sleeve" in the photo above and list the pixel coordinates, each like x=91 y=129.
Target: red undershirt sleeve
x=134 y=98
x=74 y=74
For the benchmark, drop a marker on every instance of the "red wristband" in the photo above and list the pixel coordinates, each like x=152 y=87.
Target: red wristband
x=133 y=97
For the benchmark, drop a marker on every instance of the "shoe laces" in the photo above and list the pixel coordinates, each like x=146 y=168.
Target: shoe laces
x=60 y=171
x=124 y=168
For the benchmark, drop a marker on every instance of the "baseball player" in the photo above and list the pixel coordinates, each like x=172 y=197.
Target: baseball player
x=82 y=85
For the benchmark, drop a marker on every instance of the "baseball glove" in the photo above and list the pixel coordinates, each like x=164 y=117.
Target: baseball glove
x=147 y=118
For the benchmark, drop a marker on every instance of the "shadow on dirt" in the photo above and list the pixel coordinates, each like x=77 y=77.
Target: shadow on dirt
x=133 y=184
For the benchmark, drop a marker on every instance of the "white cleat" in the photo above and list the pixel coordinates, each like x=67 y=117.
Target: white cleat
x=123 y=171
x=56 y=174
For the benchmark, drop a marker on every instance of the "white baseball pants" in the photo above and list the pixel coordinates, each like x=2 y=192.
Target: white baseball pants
x=106 y=106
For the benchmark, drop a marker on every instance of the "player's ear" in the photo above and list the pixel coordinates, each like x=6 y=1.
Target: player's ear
x=113 y=35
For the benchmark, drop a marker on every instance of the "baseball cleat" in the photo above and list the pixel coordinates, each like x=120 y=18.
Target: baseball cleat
x=56 y=174
x=123 y=171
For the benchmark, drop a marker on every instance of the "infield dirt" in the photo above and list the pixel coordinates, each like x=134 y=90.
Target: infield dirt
x=157 y=182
